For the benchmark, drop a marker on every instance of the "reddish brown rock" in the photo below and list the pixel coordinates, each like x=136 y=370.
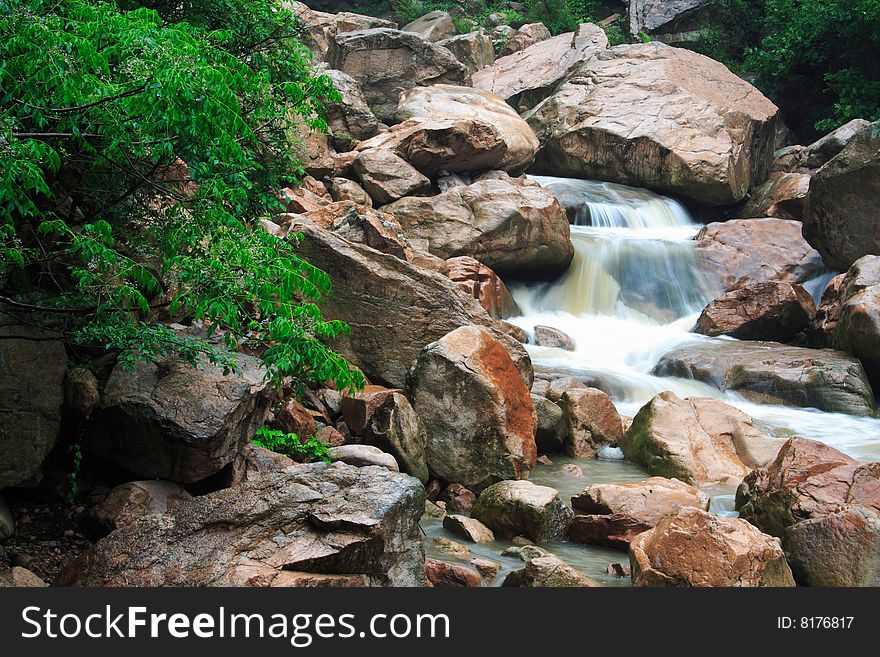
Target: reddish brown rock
x=547 y=336
x=358 y=407
x=648 y=501
x=481 y=283
x=764 y=311
x=591 y=419
x=293 y=417
x=548 y=572
x=615 y=531
x=447 y=575
x=458 y=498
x=128 y=503
x=488 y=569
x=387 y=177
x=696 y=548
x=783 y=196
x=824 y=324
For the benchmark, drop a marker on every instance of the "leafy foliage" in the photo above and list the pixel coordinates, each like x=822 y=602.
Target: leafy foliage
x=140 y=145
x=289 y=444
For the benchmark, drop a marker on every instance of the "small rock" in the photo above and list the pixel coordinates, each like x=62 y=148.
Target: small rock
x=571 y=470
x=451 y=547
x=468 y=528
x=446 y=575
x=611 y=531
x=19 y=577
x=525 y=552
x=433 y=511
x=619 y=570
x=7 y=520
x=547 y=336
x=488 y=569
x=81 y=394
x=512 y=508
x=458 y=498
x=548 y=571
x=544 y=460
x=127 y=503
x=362 y=456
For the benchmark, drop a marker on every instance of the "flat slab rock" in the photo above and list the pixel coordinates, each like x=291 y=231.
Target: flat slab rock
x=769 y=372
x=329 y=521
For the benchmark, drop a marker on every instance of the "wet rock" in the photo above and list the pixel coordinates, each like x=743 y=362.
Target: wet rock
x=128 y=503
x=468 y=528
x=483 y=284
x=525 y=552
x=648 y=501
x=511 y=508
x=177 y=422
x=527 y=77
x=548 y=572
x=477 y=411
x=19 y=577
x=696 y=548
x=473 y=49
x=841 y=217
x=445 y=102
x=316 y=518
x=697 y=440
x=488 y=569
x=562 y=384
x=433 y=512
x=81 y=394
x=640 y=115
x=363 y=456
x=746 y=252
x=526 y=36
x=387 y=177
x=434 y=26
x=32 y=373
x=825 y=506
x=393 y=308
x=824 y=324
x=767 y=372
x=447 y=575
x=386 y=62
x=547 y=336
x=619 y=570
x=610 y=531
x=458 y=499
x=765 y=311
x=591 y=421
x=451 y=547
x=551 y=429
x=509 y=225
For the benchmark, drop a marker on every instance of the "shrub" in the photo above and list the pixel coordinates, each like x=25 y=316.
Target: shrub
x=289 y=444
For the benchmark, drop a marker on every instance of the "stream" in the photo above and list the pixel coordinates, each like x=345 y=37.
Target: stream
x=634 y=292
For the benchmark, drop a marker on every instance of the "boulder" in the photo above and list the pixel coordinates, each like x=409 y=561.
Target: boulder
x=678 y=21
x=559 y=385
x=547 y=336
x=487 y=568
x=591 y=420
x=483 y=284
x=509 y=225
x=841 y=220
x=128 y=503
x=362 y=456
x=527 y=77
x=393 y=308
x=548 y=572
x=824 y=324
x=647 y=501
x=327 y=520
x=767 y=372
x=434 y=26
x=32 y=372
x=609 y=531
x=858 y=322
x=81 y=392
x=526 y=36
x=446 y=102
x=696 y=548
x=343 y=189
x=447 y=575
x=649 y=115
x=170 y=420
x=825 y=506
x=477 y=411
x=386 y=62
x=521 y=508
x=468 y=528
x=19 y=577
x=387 y=177
x=474 y=49
x=254 y=462
x=822 y=150
x=745 y=252
x=351 y=119
x=552 y=429
x=322 y=27
x=764 y=311
x=361 y=224
x=783 y=196
x=293 y=417
x=699 y=441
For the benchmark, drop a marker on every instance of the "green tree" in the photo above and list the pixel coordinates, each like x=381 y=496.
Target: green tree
x=140 y=145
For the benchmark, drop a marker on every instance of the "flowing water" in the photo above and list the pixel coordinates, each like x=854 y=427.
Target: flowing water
x=633 y=292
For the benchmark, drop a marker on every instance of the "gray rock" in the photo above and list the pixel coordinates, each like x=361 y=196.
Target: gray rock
x=514 y=508
x=362 y=456
x=7 y=520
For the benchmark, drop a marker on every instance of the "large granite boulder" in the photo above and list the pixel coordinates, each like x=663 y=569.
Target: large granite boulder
x=825 y=506
x=768 y=372
x=699 y=441
x=527 y=77
x=527 y=35
x=745 y=252
x=351 y=119
x=173 y=421
x=764 y=311
x=654 y=116
x=511 y=225
x=387 y=177
x=842 y=221
x=696 y=548
x=784 y=196
x=477 y=411
x=32 y=369
x=521 y=508
x=446 y=102
x=314 y=524
x=649 y=500
x=386 y=62
x=483 y=284
x=590 y=420
x=858 y=322
x=676 y=21
x=323 y=26
x=474 y=49
x=433 y=26
x=393 y=308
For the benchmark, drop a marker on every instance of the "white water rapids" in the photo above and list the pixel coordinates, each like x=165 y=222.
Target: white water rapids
x=634 y=292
